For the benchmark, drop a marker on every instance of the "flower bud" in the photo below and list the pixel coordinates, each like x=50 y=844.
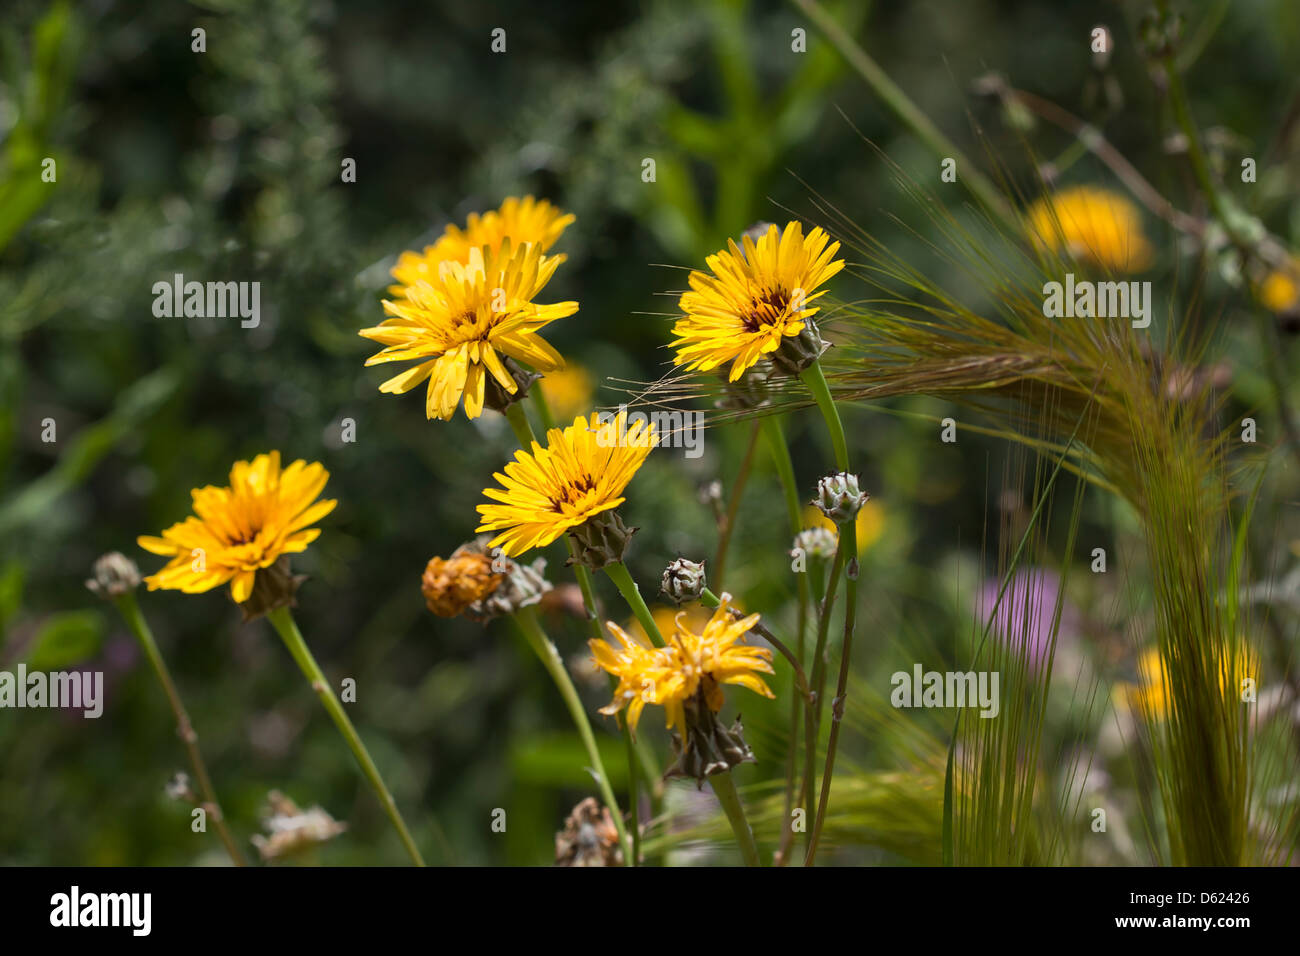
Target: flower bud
x=523 y=586
x=601 y=540
x=497 y=398
x=839 y=497
x=798 y=352
x=683 y=582
x=115 y=575
x=817 y=543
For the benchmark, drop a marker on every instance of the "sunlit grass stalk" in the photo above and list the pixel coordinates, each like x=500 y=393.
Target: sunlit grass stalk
x=282 y=620
x=131 y=613
x=526 y=620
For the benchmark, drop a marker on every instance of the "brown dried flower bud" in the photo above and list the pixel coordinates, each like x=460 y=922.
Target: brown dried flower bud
x=114 y=575
x=589 y=837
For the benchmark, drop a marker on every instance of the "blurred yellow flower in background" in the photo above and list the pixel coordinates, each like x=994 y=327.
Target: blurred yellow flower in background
x=870 y=523
x=1150 y=695
x=464 y=321
x=263 y=514
x=518 y=220
x=1092 y=225
x=569 y=391
x=1280 y=289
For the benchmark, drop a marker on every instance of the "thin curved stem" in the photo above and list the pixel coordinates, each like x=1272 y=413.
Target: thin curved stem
x=724 y=788
x=282 y=620
x=618 y=573
x=849 y=537
x=130 y=609
x=519 y=423
x=526 y=620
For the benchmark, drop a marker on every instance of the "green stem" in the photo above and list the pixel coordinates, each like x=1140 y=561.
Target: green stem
x=524 y=433
x=130 y=610
x=815 y=379
x=849 y=539
x=632 y=595
x=518 y=420
x=812 y=716
x=907 y=112
x=282 y=620
x=526 y=620
x=725 y=790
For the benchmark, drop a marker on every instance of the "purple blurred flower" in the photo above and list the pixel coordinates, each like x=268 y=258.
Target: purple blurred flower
x=1024 y=618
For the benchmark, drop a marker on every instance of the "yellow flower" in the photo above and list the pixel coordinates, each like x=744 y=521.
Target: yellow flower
x=1280 y=289
x=870 y=522
x=580 y=473
x=1093 y=225
x=462 y=321
x=569 y=391
x=755 y=297
x=262 y=515
x=691 y=663
x=518 y=220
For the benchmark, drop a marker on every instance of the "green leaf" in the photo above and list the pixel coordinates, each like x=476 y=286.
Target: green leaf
x=66 y=639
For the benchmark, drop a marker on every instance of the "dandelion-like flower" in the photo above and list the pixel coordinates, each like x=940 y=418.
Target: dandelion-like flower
x=757 y=298
x=464 y=325
x=520 y=221
x=242 y=529
x=692 y=668
x=579 y=476
x=1093 y=225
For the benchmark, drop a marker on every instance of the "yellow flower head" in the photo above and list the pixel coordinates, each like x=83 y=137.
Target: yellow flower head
x=580 y=473
x=461 y=322
x=518 y=220
x=1092 y=225
x=237 y=530
x=691 y=663
x=1280 y=289
x=756 y=296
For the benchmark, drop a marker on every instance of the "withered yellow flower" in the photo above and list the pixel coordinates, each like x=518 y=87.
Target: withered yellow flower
x=757 y=295
x=581 y=473
x=453 y=584
x=238 y=530
x=465 y=321
x=690 y=664
x=520 y=221
x=1093 y=225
